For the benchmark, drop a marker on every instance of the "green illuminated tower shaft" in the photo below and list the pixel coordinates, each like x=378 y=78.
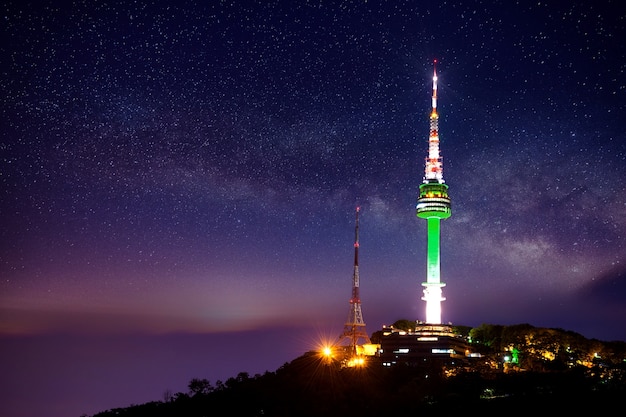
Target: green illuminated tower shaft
x=433 y=204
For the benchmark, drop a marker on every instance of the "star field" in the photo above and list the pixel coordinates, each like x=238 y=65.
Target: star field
x=195 y=166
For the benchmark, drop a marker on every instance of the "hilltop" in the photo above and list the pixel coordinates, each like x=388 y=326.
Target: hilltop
x=553 y=369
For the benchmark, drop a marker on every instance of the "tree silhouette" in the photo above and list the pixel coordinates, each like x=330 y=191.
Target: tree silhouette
x=199 y=387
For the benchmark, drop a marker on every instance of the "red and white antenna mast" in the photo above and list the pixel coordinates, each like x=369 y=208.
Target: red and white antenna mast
x=434 y=163
x=354 y=329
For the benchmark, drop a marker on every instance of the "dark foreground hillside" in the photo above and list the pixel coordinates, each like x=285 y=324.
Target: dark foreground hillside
x=307 y=387
x=313 y=385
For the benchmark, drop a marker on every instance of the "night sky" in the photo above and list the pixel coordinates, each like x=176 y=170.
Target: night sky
x=178 y=181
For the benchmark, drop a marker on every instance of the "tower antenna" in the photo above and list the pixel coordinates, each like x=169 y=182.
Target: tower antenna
x=433 y=204
x=354 y=329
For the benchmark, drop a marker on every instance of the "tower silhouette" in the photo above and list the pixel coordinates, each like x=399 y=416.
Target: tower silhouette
x=433 y=204
x=354 y=329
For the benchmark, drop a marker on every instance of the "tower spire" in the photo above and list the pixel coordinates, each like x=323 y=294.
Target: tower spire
x=434 y=164
x=433 y=204
x=354 y=329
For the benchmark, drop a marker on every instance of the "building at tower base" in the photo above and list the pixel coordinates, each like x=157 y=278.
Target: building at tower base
x=423 y=345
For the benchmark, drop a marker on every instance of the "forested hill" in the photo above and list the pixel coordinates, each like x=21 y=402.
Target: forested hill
x=558 y=371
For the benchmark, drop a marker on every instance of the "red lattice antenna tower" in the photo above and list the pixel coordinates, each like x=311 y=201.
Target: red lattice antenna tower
x=354 y=329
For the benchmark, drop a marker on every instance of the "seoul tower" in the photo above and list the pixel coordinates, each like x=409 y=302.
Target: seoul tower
x=354 y=329
x=433 y=204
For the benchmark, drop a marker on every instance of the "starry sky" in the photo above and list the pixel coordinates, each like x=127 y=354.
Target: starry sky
x=178 y=180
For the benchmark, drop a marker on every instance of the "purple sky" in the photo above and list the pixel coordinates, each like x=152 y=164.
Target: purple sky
x=179 y=182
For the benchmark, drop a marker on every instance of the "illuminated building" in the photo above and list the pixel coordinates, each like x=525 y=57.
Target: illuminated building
x=426 y=342
x=433 y=204
x=429 y=340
